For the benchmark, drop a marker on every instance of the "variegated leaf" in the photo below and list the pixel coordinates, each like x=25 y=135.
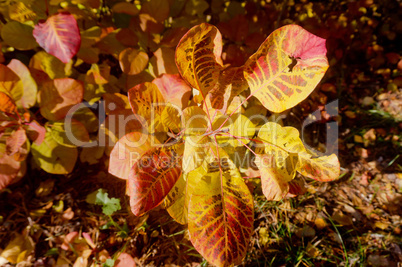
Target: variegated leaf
x=152 y=177
x=286 y=68
x=198 y=57
x=220 y=214
x=294 y=155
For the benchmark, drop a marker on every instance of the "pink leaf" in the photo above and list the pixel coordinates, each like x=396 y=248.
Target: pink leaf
x=36 y=132
x=15 y=141
x=174 y=89
x=59 y=36
x=125 y=260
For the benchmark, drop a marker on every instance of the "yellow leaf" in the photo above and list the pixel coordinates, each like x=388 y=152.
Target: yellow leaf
x=198 y=57
x=286 y=68
x=196 y=143
x=18 y=249
x=220 y=214
x=284 y=144
x=171 y=118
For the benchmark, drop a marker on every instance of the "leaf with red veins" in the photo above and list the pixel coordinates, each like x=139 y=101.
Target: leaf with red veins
x=153 y=176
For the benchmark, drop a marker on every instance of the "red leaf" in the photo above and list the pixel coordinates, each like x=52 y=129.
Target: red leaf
x=59 y=36
x=152 y=177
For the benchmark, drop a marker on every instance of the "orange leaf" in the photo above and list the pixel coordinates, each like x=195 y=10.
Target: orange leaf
x=58 y=96
x=163 y=61
x=271 y=74
x=133 y=61
x=152 y=177
x=7 y=103
x=127 y=151
x=198 y=57
x=8 y=79
x=144 y=98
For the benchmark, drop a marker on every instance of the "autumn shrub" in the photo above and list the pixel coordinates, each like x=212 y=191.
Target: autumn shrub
x=186 y=157
x=190 y=129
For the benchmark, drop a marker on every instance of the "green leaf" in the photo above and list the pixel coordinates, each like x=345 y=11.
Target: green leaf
x=110 y=205
x=109 y=263
x=18 y=35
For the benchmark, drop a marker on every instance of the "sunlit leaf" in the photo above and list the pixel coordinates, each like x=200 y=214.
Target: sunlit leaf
x=171 y=118
x=230 y=84
x=287 y=154
x=174 y=89
x=59 y=35
x=220 y=214
x=274 y=178
x=36 y=132
x=286 y=68
x=153 y=176
x=118 y=124
x=127 y=151
x=85 y=115
x=178 y=198
x=240 y=130
x=133 y=61
x=125 y=260
x=198 y=57
x=57 y=97
x=53 y=157
x=18 y=249
x=146 y=98
x=196 y=144
x=29 y=87
x=18 y=35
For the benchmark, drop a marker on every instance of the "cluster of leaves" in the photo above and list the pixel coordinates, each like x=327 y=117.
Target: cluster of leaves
x=188 y=117
x=186 y=156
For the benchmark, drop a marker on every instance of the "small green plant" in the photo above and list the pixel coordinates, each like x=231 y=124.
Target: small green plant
x=109 y=207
